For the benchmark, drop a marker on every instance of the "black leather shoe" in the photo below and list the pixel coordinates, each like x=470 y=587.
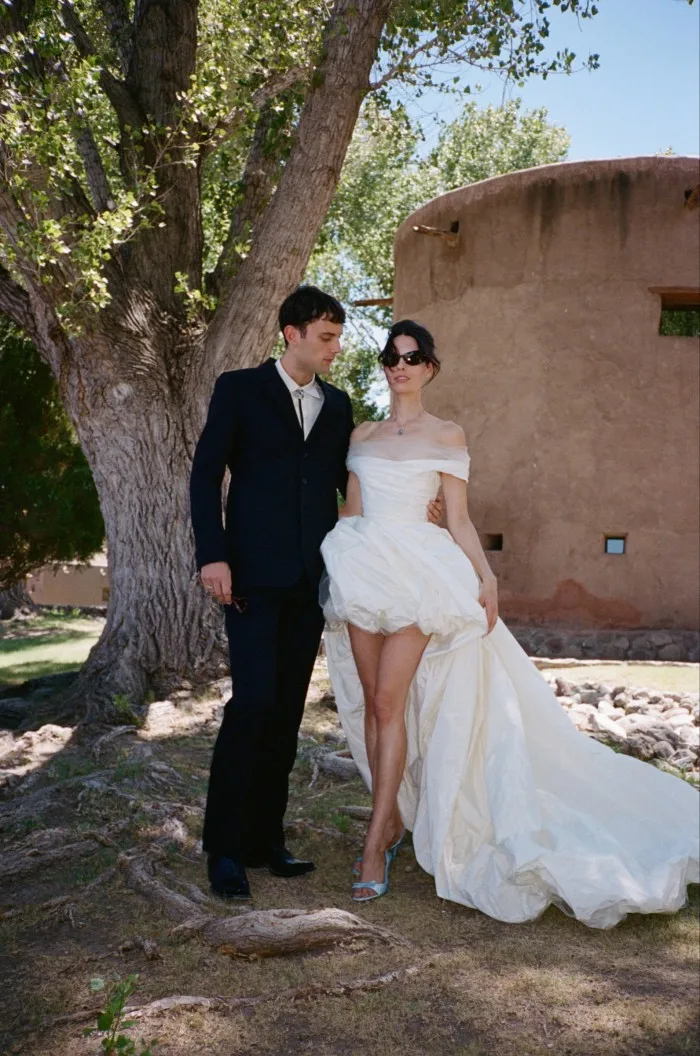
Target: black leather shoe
x=227 y=877
x=279 y=861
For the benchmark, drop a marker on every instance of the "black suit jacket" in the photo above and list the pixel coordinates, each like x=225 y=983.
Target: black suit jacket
x=282 y=496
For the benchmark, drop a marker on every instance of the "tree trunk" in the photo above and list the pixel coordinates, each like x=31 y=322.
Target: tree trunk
x=15 y=600
x=137 y=386
x=138 y=433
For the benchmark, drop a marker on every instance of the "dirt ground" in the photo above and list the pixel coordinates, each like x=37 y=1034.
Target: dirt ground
x=432 y=978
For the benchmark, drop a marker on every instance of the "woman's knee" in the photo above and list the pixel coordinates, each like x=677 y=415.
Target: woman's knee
x=387 y=707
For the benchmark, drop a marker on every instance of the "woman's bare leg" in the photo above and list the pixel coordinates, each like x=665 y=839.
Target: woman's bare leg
x=398 y=662
x=366 y=651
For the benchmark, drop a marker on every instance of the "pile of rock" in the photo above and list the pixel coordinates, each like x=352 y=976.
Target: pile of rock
x=640 y=722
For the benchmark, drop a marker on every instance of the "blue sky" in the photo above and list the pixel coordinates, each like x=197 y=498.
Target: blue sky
x=644 y=98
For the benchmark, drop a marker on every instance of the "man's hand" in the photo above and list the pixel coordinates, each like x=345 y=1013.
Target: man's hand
x=216 y=580
x=436 y=511
x=488 y=598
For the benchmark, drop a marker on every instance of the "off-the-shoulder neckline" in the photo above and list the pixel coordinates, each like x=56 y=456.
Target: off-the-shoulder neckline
x=402 y=446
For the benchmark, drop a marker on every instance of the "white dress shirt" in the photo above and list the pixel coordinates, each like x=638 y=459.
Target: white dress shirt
x=312 y=399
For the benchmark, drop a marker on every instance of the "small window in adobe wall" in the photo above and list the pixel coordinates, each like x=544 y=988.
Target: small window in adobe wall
x=615 y=544
x=494 y=541
x=680 y=312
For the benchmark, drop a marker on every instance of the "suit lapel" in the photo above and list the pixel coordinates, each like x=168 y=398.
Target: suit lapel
x=324 y=415
x=279 y=395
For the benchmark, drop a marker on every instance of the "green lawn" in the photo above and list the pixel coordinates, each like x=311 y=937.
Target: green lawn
x=45 y=645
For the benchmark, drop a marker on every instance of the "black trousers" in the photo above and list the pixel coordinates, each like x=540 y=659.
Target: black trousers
x=272 y=646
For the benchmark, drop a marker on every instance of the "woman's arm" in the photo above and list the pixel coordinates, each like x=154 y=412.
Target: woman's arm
x=353 y=499
x=460 y=527
x=462 y=530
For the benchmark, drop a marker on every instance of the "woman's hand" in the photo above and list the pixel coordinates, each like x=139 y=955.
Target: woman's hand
x=488 y=598
x=436 y=511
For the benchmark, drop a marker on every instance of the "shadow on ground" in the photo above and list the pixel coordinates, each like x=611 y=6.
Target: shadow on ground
x=444 y=980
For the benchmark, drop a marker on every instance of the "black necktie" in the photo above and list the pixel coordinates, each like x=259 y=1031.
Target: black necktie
x=300 y=399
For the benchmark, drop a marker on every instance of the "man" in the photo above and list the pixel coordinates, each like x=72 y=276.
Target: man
x=283 y=433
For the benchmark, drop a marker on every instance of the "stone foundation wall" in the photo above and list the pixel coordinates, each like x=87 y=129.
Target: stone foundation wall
x=668 y=645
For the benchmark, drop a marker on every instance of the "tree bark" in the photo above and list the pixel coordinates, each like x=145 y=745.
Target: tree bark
x=138 y=427
x=137 y=380
x=15 y=599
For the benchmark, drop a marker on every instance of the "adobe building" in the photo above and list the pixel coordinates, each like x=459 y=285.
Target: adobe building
x=546 y=290
x=82 y=584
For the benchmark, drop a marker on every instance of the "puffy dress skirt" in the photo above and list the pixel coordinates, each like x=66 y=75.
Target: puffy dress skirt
x=511 y=808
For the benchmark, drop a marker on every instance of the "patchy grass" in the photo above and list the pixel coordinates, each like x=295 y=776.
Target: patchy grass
x=45 y=645
x=665 y=678
x=551 y=986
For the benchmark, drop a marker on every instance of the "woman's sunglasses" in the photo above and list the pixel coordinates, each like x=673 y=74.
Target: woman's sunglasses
x=391 y=358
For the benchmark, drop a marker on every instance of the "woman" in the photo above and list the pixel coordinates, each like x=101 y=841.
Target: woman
x=453 y=728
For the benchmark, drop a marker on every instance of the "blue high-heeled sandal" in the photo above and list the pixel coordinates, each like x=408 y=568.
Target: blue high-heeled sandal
x=378 y=887
x=393 y=851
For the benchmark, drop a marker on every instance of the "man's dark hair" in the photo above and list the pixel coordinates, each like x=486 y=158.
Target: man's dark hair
x=307 y=304
x=422 y=336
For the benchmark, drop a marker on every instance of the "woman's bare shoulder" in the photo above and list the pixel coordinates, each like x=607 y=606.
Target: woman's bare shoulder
x=449 y=433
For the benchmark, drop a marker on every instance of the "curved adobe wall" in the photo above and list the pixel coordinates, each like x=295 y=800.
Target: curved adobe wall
x=581 y=419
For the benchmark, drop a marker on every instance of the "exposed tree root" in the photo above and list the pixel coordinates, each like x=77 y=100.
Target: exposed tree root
x=293 y=994
x=147 y=946
x=340 y=764
x=314 y=774
x=63 y=905
x=191 y=890
x=359 y=813
x=277 y=932
x=45 y=849
x=229 y=1006
x=107 y=738
x=140 y=874
x=26 y=805
x=255 y=933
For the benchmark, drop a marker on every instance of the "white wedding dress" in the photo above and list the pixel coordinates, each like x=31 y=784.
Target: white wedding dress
x=511 y=808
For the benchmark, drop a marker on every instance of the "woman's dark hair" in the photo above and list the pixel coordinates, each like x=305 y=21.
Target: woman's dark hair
x=423 y=338
x=305 y=305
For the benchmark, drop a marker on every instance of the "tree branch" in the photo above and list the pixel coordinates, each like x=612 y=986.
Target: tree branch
x=408 y=56
x=260 y=175
x=94 y=170
x=276 y=85
x=287 y=231
x=120 y=29
x=125 y=106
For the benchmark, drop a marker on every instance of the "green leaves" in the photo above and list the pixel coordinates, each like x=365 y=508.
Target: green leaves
x=42 y=469
x=111 y=1023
